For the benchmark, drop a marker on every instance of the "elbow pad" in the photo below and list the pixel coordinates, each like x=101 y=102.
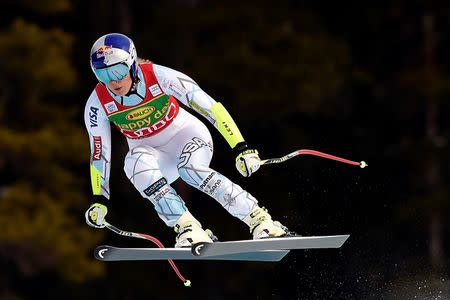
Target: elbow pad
x=96 y=181
x=226 y=125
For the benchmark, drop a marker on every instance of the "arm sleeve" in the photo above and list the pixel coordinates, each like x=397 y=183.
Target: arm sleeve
x=187 y=91
x=99 y=132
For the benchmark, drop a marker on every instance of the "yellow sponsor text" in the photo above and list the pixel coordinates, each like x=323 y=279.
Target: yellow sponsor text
x=140 y=113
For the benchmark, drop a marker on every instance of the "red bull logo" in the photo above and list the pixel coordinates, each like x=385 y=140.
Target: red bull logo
x=104 y=50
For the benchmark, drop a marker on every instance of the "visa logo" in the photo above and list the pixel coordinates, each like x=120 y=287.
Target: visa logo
x=93 y=116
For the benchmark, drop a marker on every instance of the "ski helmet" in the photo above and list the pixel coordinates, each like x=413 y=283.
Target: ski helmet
x=113 y=57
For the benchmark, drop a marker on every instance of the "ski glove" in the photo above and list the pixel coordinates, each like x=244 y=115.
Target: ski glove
x=247 y=159
x=95 y=215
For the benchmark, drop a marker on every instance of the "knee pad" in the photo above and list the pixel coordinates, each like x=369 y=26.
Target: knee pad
x=141 y=167
x=193 y=162
x=195 y=152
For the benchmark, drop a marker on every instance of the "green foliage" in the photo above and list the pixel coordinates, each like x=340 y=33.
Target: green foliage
x=43 y=149
x=45 y=233
x=49 y=6
x=37 y=58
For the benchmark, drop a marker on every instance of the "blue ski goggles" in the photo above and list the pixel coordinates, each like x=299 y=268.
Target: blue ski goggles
x=115 y=72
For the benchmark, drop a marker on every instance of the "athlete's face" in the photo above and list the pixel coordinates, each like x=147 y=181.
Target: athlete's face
x=120 y=87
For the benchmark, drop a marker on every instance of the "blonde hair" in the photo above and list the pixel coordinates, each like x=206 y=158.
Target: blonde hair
x=141 y=60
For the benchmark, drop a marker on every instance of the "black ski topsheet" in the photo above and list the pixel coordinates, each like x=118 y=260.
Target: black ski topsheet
x=282 y=243
x=110 y=253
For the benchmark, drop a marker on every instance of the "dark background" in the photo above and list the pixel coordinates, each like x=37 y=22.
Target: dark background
x=365 y=80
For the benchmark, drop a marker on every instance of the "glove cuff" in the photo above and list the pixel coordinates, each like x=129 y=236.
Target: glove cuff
x=239 y=148
x=99 y=199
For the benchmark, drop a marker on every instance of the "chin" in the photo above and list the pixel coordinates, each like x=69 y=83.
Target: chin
x=121 y=92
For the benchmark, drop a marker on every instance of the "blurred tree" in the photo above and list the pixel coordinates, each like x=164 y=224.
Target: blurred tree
x=277 y=58
x=427 y=84
x=42 y=148
x=49 y=7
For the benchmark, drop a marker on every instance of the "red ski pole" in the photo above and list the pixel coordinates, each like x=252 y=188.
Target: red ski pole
x=152 y=239
x=268 y=161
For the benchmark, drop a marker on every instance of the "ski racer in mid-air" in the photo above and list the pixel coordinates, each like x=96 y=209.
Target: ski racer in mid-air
x=165 y=142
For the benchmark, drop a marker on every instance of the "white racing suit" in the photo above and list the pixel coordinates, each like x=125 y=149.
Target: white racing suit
x=165 y=141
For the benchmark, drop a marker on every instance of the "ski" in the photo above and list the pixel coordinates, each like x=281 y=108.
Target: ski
x=283 y=243
x=110 y=253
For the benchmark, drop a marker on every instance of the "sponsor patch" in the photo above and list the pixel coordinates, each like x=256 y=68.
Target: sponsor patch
x=93 y=116
x=188 y=149
x=104 y=50
x=97 y=154
x=136 y=129
x=140 y=113
x=205 y=182
x=155 y=187
x=215 y=186
x=111 y=107
x=178 y=91
x=155 y=90
x=198 y=108
x=159 y=195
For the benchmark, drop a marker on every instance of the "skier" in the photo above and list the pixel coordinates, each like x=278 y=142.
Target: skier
x=165 y=142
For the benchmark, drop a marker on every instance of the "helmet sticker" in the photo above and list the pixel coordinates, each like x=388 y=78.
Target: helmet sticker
x=112 y=49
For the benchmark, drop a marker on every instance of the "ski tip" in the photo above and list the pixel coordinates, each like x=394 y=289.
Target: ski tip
x=344 y=239
x=100 y=252
x=198 y=248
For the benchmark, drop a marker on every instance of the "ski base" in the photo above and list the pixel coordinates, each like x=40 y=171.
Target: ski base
x=282 y=243
x=110 y=253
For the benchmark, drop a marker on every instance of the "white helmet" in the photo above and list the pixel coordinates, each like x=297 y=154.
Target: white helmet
x=113 y=56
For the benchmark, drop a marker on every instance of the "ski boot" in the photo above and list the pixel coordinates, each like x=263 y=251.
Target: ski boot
x=190 y=232
x=262 y=226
